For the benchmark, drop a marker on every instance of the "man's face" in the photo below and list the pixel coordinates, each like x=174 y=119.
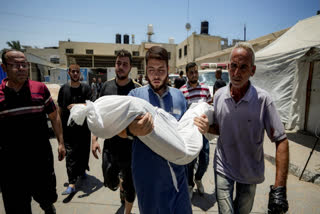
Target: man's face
x=218 y=74
x=240 y=68
x=17 y=67
x=74 y=73
x=94 y=80
x=157 y=71
x=193 y=75
x=123 y=67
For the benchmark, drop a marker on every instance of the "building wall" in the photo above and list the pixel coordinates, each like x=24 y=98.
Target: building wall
x=258 y=44
x=46 y=53
x=102 y=49
x=197 y=46
x=171 y=48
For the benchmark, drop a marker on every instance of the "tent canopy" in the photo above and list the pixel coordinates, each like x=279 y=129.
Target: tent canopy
x=283 y=69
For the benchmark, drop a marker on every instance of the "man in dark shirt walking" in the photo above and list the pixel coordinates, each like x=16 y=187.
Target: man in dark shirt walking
x=26 y=159
x=76 y=138
x=219 y=81
x=117 y=151
x=180 y=81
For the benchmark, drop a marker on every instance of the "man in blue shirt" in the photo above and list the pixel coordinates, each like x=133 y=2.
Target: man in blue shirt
x=161 y=186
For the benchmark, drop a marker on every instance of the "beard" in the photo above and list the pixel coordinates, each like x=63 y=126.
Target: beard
x=121 y=77
x=193 y=81
x=75 y=79
x=158 y=88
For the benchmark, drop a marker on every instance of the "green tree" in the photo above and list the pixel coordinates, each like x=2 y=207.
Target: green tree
x=15 y=45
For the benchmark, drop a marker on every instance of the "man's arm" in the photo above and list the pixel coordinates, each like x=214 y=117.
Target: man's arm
x=278 y=202
x=141 y=126
x=57 y=128
x=282 y=162
x=95 y=146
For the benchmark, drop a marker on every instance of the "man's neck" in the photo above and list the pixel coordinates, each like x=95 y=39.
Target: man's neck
x=193 y=85
x=238 y=93
x=14 y=85
x=122 y=82
x=75 y=84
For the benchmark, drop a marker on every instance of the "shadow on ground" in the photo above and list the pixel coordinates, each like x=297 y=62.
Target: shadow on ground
x=305 y=139
x=205 y=201
x=85 y=187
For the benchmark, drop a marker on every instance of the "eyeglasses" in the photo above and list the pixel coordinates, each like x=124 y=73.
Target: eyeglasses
x=18 y=65
x=75 y=71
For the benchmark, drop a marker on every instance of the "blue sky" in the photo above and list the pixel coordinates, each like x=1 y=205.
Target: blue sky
x=43 y=23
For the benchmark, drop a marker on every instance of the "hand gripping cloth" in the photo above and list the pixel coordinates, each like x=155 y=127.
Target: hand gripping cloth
x=178 y=142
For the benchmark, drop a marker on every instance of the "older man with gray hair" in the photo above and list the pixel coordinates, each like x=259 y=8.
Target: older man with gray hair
x=242 y=113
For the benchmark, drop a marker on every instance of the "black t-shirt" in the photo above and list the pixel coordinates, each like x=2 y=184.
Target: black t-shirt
x=120 y=148
x=69 y=95
x=178 y=82
x=219 y=84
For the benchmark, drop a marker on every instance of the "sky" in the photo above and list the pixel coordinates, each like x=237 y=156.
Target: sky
x=41 y=23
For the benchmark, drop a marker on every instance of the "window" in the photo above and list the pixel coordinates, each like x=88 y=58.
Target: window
x=69 y=51
x=185 y=50
x=55 y=60
x=169 y=55
x=135 y=53
x=180 y=53
x=89 y=51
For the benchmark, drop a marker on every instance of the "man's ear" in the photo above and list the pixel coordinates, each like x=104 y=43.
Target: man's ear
x=253 y=70
x=4 y=68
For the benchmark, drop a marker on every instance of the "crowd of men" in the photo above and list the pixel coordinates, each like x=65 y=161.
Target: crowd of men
x=242 y=112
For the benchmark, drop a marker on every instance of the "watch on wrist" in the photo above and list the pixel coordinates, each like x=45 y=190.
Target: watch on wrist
x=129 y=134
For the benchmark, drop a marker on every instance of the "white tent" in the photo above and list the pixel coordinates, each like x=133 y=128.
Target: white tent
x=289 y=69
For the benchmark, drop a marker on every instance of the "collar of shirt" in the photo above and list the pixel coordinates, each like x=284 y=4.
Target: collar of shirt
x=163 y=95
x=189 y=86
x=4 y=82
x=246 y=97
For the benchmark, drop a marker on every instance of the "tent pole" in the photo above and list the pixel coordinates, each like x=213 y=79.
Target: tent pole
x=308 y=95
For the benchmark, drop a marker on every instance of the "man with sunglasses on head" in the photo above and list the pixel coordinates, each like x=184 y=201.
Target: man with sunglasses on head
x=26 y=159
x=76 y=138
x=117 y=150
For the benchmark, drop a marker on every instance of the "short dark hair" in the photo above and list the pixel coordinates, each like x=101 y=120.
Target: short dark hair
x=73 y=64
x=190 y=65
x=124 y=53
x=181 y=73
x=157 y=52
x=4 y=57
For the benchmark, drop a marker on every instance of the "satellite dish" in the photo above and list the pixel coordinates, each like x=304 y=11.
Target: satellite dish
x=188 y=26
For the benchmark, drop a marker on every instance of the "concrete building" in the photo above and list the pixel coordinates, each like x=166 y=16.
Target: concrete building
x=99 y=58
x=195 y=46
x=223 y=55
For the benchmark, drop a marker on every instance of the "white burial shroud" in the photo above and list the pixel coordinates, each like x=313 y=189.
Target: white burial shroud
x=176 y=141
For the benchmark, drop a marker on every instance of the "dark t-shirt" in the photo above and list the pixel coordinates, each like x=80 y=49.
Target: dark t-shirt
x=69 y=95
x=219 y=84
x=120 y=148
x=178 y=82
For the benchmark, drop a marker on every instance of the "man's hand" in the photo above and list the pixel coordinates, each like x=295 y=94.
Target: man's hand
x=278 y=202
x=142 y=125
x=202 y=123
x=95 y=146
x=70 y=106
x=61 y=151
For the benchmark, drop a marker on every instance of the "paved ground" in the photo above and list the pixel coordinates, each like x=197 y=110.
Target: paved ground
x=93 y=197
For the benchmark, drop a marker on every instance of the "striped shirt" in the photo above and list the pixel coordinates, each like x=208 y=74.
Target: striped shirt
x=23 y=121
x=34 y=97
x=200 y=93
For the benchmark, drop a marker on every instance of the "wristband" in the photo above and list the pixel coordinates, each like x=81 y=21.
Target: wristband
x=129 y=134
